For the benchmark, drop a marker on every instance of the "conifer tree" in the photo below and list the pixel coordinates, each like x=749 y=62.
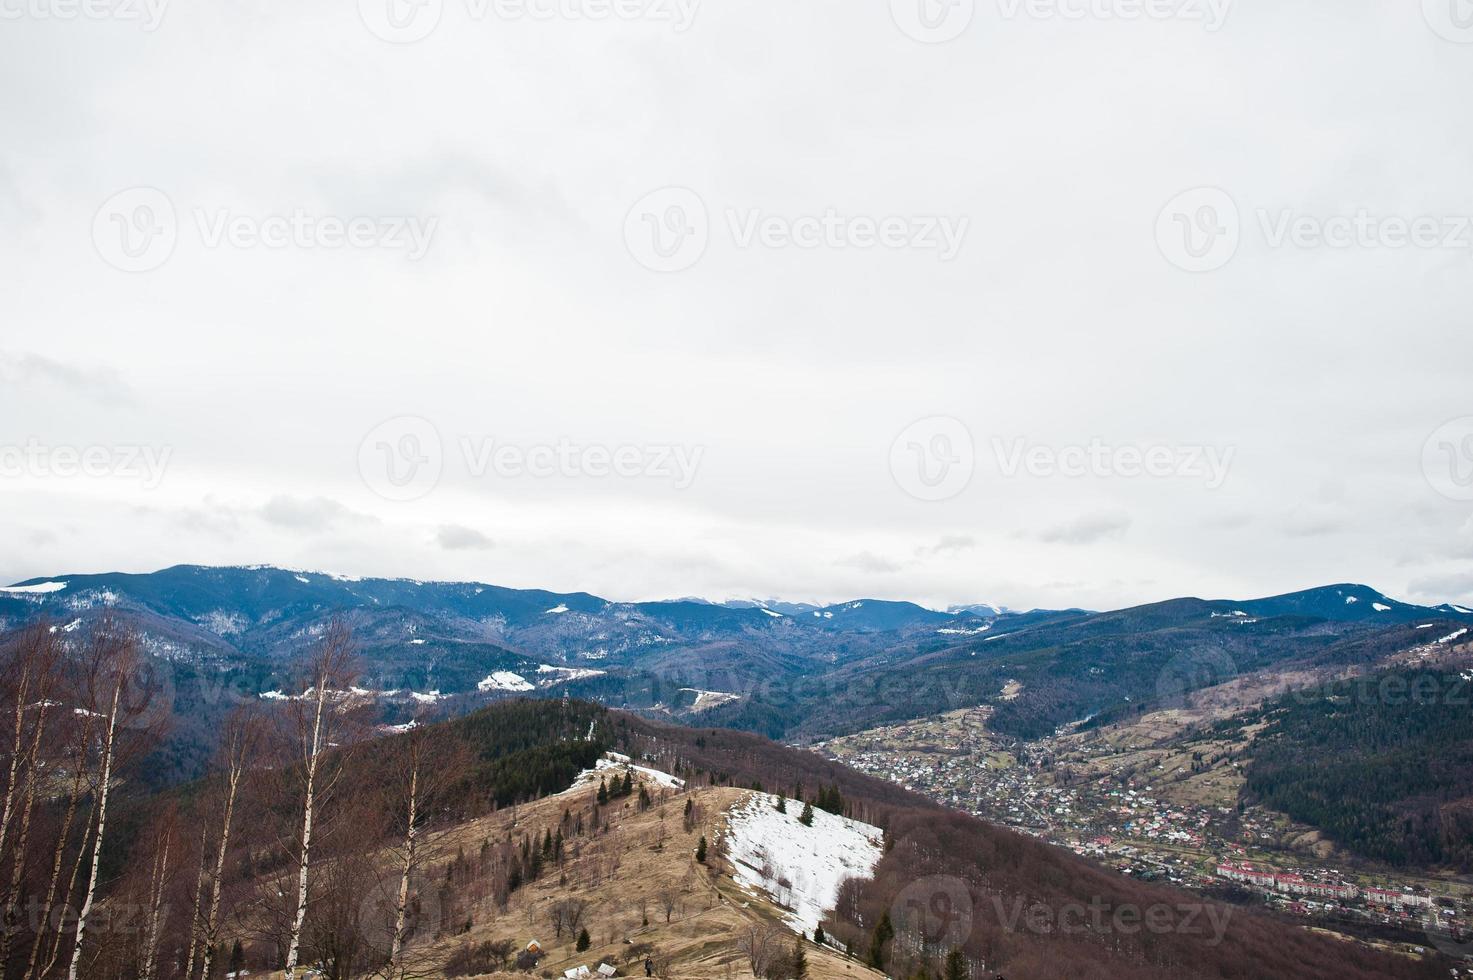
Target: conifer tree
x=883 y=933
x=701 y=850
x=800 y=961
x=806 y=817
x=956 y=966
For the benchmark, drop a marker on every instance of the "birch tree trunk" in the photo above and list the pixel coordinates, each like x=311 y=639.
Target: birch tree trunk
x=401 y=910
x=22 y=691
x=313 y=753
x=71 y=886
x=196 y=913
x=58 y=856
x=107 y=766
x=156 y=903
x=218 y=876
x=23 y=836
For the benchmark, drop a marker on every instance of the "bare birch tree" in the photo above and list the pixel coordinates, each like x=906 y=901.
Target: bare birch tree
x=111 y=661
x=317 y=720
x=238 y=748
x=38 y=657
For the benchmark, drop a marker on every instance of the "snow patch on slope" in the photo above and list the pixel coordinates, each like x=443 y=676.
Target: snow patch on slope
x=505 y=680
x=799 y=867
x=40 y=588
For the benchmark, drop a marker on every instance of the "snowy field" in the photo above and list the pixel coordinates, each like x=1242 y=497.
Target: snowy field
x=799 y=867
x=614 y=764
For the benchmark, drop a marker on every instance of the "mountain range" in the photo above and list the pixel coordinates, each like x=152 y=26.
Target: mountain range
x=792 y=671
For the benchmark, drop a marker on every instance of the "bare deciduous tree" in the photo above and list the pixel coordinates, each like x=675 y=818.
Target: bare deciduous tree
x=35 y=675
x=238 y=747
x=761 y=944
x=317 y=720
x=566 y=915
x=669 y=900
x=109 y=689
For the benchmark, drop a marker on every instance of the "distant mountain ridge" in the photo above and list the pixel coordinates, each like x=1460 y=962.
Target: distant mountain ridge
x=797 y=672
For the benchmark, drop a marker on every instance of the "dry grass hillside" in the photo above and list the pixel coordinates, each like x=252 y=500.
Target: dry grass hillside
x=635 y=872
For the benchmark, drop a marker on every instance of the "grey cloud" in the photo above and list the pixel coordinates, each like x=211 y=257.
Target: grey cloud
x=1085 y=530
x=308 y=513
x=100 y=384
x=867 y=561
x=949 y=543
x=457 y=537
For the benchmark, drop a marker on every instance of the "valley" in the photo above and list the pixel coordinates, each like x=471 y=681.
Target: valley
x=1162 y=798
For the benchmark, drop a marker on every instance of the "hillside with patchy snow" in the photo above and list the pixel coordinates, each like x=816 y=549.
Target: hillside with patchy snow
x=799 y=867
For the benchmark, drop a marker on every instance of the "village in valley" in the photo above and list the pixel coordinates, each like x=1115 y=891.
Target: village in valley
x=1159 y=814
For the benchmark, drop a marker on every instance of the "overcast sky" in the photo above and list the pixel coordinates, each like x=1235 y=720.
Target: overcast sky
x=1033 y=303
